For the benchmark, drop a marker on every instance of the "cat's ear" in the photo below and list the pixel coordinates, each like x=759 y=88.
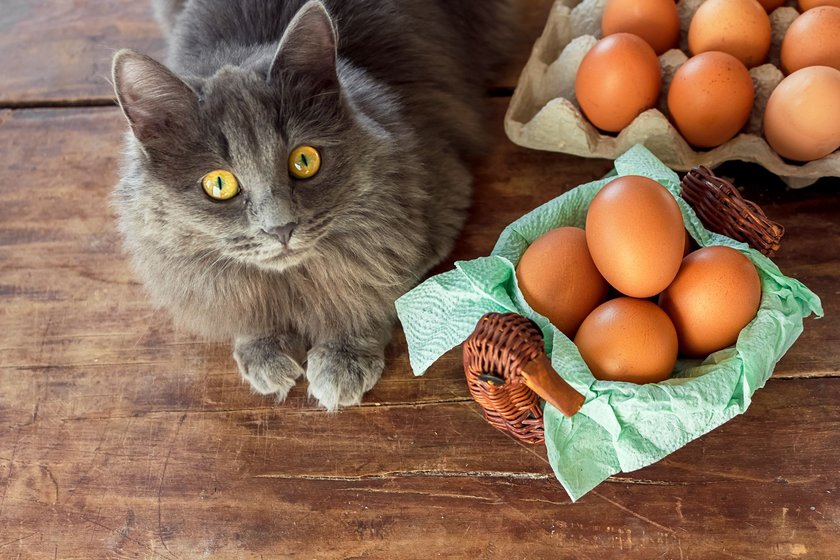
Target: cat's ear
x=156 y=102
x=309 y=47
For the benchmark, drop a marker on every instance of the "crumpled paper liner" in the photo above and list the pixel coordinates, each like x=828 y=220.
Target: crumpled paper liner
x=621 y=426
x=544 y=114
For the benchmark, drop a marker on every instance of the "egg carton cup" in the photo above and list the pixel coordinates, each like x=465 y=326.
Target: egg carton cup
x=544 y=113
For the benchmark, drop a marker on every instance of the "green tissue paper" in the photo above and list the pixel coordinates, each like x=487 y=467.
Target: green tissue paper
x=621 y=426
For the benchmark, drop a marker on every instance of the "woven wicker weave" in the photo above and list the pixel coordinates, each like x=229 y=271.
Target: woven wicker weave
x=505 y=361
x=504 y=358
x=495 y=350
x=723 y=210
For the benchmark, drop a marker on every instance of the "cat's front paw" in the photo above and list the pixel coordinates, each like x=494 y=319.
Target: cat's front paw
x=267 y=365
x=340 y=373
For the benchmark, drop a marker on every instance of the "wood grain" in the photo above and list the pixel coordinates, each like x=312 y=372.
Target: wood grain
x=56 y=417
x=458 y=517
x=60 y=52
x=239 y=484
x=412 y=517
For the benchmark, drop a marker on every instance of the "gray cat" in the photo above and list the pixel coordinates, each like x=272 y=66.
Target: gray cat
x=300 y=166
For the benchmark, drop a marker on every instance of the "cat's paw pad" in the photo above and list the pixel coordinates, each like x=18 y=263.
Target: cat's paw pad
x=268 y=369
x=339 y=376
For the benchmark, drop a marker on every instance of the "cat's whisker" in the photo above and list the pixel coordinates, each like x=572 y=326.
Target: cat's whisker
x=210 y=269
x=226 y=264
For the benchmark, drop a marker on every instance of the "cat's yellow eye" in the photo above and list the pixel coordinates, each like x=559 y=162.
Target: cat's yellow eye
x=220 y=185
x=304 y=162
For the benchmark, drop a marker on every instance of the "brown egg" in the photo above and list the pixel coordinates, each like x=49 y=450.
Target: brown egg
x=715 y=294
x=738 y=27
x=655 y=21
x=559 y=280
x=805 y=5
x=636 y=235
x=770 y=5
x=813 y=39
x=710 y=99
x=628 y=339
x=618 y=79
x=802 y=118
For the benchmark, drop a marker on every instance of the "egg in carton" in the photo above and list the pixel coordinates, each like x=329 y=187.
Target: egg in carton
x=544 y=113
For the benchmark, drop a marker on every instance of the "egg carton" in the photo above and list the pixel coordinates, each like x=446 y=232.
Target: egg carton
x=544 y=113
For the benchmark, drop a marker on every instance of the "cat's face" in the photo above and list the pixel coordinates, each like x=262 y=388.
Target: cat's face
x=285 y=161
x=248 y=128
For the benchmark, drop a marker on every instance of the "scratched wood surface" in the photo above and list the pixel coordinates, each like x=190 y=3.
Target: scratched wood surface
x=60 y=51
x=121 y=438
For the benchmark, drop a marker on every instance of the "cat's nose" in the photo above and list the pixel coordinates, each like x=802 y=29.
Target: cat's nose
x=283 y=233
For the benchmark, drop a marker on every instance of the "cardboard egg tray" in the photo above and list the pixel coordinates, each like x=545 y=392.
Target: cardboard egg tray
x=544 y=114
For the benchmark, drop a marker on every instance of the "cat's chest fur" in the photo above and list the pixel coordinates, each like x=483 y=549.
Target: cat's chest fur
x=222 y=302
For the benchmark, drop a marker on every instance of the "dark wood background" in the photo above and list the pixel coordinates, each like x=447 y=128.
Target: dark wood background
x=121 y=438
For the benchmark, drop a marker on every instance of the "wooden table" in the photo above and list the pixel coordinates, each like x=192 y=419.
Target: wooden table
x=120 y=438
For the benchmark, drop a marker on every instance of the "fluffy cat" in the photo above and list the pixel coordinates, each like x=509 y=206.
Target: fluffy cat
x=302 y=273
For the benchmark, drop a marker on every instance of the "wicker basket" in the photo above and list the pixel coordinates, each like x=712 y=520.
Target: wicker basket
x=723 y=210
x=505 y=363
x=507 y=373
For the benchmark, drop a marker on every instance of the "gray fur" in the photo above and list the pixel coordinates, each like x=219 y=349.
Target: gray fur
x=395 y=107
x=166 y=11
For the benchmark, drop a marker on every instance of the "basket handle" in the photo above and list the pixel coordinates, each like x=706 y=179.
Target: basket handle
x=722 y=209
x=543 y=379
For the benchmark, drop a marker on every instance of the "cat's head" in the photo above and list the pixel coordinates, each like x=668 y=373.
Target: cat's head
x=262 y=163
